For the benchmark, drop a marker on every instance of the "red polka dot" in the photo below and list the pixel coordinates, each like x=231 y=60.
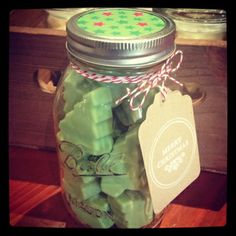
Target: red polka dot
x=107 y=13
x=99 y=23
x=142 y=24
x=138 y=14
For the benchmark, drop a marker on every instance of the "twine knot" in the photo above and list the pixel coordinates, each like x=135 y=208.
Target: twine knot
x=145 y=82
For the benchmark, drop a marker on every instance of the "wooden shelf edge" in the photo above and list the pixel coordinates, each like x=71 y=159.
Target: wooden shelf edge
x=201 y=42
x=42 y=31
x=62 y=33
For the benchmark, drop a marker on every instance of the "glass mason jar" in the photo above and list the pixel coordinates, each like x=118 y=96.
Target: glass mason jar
x=103 y=177
x=209 y=24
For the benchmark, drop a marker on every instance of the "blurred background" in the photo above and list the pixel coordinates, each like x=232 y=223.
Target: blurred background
x=190 y=23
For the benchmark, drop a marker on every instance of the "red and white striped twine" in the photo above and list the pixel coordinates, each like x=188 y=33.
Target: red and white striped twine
x=145 y=82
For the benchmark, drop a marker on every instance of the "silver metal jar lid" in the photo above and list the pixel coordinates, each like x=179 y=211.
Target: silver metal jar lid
x=120 y=37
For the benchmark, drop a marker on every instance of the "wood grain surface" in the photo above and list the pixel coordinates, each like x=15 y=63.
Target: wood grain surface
x=36 y=201
x=29 y=17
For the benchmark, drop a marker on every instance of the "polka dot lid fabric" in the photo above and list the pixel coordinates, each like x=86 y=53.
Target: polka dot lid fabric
x=118 y=23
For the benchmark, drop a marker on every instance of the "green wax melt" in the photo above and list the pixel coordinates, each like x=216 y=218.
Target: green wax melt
x=80 y=190
x=129 y=117
x=70 y=156
x=99 y=96
x=115 y=185
x=75 y=86
x=71 y=176
x=117 y=91
x=70 y=149
x=90 y=122
x=98 y=202
x=129 y=210
x=94 y=221
x=128 y=147
x=92 y=212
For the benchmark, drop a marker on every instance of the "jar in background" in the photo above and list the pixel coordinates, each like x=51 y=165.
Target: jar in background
x=102 y=172
x=190 y=23
x=57 y=17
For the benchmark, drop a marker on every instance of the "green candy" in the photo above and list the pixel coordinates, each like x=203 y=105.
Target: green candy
x=127 y=146
x=129 y=210
x=92 y=120
x=71 y=176
x=92 y=212
x=70 y=149
x=70 y=158
x=75 y=86
x=117 y=91
x=115 y=185
x=98 y=202
x=89 y=124
x=80 y=190
x=129 y=117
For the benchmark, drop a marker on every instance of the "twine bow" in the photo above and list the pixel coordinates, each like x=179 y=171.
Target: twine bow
x=145 y=82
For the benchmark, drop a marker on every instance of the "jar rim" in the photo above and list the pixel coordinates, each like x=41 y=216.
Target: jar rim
x=140 y=51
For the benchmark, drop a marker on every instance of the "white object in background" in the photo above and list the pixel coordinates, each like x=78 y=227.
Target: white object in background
x=190 y=23
x=57 y=17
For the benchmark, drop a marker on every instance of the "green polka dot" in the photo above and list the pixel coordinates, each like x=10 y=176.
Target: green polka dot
x=82 y=22
x=121 y=12
x=130 y=27
x=115 y=27
x=99 y=31
x=148 y=29
x=123 y=22
x=95 y=17
x=137 y=19
x=120 y=23
x=109 y=19
x=116 y=33
x=135 y=32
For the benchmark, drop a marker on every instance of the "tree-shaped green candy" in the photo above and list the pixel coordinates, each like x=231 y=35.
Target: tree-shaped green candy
x=131 y=210
x=127 y=146
x=92 y=212
x=75 y=86
x=129 y=117
x=89 y=124
x=82 y=191
x=117 y=91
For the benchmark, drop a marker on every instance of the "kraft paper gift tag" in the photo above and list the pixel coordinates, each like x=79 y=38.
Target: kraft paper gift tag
x=169 y=146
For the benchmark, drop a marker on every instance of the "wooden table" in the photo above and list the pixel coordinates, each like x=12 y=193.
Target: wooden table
x=35 y=195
